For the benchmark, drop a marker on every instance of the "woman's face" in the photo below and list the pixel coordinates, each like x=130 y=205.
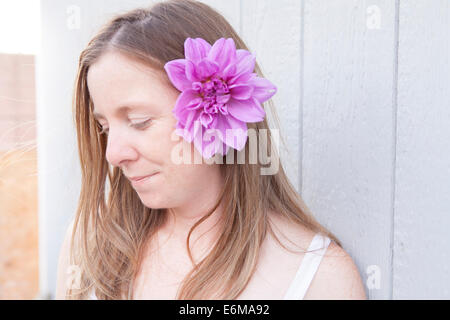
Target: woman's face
x=134 y=106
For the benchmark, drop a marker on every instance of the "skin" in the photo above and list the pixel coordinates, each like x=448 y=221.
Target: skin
x=186 y=192
x=116 y=80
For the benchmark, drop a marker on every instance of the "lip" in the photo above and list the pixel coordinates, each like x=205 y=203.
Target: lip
x=136 y=181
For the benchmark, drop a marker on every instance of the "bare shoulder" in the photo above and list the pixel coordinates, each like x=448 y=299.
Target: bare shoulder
x=337 y=277
x=294 y=236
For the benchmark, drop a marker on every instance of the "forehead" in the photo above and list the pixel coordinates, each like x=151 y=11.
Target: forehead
x=117 y=83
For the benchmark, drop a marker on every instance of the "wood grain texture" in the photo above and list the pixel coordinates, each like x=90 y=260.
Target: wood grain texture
x=422 y=200
x=348 y=128
x=272 y=30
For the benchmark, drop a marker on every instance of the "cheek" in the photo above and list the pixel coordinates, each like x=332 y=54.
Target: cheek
x=192 y=179
x=179 y=180
x=179 y=175
x=156 y=142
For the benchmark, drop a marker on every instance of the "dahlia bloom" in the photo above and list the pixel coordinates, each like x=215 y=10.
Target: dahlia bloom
x=219 y=92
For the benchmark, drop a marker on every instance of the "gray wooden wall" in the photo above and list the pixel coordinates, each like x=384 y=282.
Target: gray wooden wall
x=364 y=105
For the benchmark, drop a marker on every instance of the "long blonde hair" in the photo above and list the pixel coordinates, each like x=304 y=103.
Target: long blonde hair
x=109 y=234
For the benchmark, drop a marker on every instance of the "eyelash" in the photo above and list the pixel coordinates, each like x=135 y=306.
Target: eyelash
x=137 y=125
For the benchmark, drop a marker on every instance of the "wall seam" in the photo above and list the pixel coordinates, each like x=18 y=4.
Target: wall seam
x=395 y=113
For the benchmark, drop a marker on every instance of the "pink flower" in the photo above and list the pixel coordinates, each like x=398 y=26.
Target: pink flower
x=219 y=92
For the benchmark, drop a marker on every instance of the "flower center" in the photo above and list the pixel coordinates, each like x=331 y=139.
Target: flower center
x=215 y=94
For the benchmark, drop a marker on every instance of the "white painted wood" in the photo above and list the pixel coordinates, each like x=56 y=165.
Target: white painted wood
x=422 y=200
x=348 y=128
x=373 y=165
x=272 y=30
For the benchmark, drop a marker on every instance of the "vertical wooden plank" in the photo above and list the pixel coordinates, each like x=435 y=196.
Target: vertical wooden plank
x=422 y=206
x=348 y=128
x=272 y=30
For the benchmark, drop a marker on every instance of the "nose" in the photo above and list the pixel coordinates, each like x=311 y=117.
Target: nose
x=119 y=149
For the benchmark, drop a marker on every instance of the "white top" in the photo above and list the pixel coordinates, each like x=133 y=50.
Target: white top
x=306 y=271
x=308 y=268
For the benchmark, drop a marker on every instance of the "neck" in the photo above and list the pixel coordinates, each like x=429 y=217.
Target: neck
x=180 y=221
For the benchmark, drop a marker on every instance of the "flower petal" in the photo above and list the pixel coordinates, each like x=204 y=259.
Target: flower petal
x=190 y=129
x=241 y=91
x=206 y=68
x=242 y=53
x=208 y=142
x=247 y=111
x=244 y=67
x=263 y=89
x=240 y=79
x=223 y=52
x=191 y=72
x=229 y=72
x=205 y=119
x=176 y=71
x=223 y=98
x=233 y=132
x=194 y=104
x=196 y=49
x=246 y=64
x=185 y=101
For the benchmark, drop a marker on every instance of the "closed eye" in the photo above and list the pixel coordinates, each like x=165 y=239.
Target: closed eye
x=136 y=125
x=140 y=125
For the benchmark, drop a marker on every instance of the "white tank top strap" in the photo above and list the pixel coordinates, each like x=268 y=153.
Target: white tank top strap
x=308 y=268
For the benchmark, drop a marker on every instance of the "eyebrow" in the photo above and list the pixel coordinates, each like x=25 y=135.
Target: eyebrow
x=119 y=111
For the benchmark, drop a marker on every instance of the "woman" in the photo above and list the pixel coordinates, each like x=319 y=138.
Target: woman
x=185 y=230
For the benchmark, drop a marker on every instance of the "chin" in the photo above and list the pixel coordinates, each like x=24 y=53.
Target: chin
x=152 y=202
